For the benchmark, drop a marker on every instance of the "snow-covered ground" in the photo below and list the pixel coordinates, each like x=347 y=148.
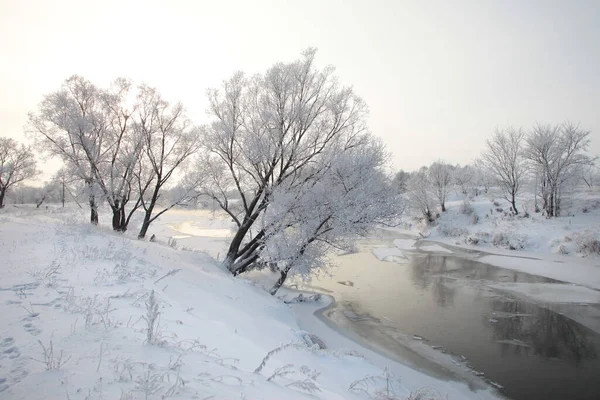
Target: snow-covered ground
x=564 y=248
x=78 y=302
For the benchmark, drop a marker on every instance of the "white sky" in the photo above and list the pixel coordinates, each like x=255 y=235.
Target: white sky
x=438 y=76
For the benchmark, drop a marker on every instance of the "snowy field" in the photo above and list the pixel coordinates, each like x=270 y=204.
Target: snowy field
x=91 y=314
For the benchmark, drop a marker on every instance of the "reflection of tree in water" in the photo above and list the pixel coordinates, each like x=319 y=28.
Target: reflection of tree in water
x=421 y=270
x=548 y=333
x=427 y=271
x=442 y=293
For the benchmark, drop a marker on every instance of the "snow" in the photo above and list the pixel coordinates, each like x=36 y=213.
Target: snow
x=486 y=224
x=389 y=254
x=573 y=272
x=550 y=292
x=435 y=248
x=404 y=244
x=84 y=291
x=529 y=242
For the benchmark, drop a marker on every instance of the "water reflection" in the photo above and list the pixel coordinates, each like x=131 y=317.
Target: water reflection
x=430 y=272
x=523 y=328
x=532 y=350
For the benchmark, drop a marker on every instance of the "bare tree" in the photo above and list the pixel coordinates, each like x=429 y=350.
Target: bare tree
x=169 y=140
x=270 y=132
x=440 y=179
x=17 y=163
x=504 y=159
x=558 y=155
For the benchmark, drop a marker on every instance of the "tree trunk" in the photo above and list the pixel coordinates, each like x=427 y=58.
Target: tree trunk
x=2 y=193
x=443 y=207
x=280 y=281
x=118 y=220
x=123 y=221
x=148 y=214
x=93 y=210
x=514 y=204
x=39 y=203
x=234 y=247
x=145 y=225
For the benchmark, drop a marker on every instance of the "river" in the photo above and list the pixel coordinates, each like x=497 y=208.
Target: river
x=438 y=312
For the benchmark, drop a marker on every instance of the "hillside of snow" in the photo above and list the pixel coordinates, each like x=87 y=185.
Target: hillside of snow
x=92 y=314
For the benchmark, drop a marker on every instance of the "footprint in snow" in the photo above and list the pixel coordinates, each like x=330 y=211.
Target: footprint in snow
x=9 y=351
x=29 y=326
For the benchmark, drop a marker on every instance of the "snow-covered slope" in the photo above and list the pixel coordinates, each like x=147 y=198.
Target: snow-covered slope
x=86 y=296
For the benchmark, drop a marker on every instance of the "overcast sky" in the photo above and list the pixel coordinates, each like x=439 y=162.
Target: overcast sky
x=438 y=77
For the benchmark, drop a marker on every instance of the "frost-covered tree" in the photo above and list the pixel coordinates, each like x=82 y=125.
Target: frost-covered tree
x=419 y=194
x=400 y=181
x=71 y=125
x=503 y=158
x=342 y=196
x=169 y=140
x=17 y=163
x=123 y=142
x=464 y=177
x=440 y=179
x=277 y=138
x=590 y=174
x=121 y=150
x=558 y=156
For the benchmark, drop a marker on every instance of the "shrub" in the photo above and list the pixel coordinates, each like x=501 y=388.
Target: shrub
x=562 y=249
x=466 y=207
x=452 y=232
x=472 y=240
x=590 y=246
x=498 y=239
x=474 y=219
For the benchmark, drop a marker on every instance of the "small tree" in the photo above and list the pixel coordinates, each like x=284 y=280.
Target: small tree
x=17 y=163
x=504 y=159
x=440 y=179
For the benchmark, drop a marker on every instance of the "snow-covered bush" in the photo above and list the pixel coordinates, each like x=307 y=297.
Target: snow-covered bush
x=452 y=231
x=590 y=246
x=466 y=207
x=473 y=240
x=511 y=242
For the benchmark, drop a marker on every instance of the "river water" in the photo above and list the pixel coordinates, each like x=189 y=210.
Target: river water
x=437 y=312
